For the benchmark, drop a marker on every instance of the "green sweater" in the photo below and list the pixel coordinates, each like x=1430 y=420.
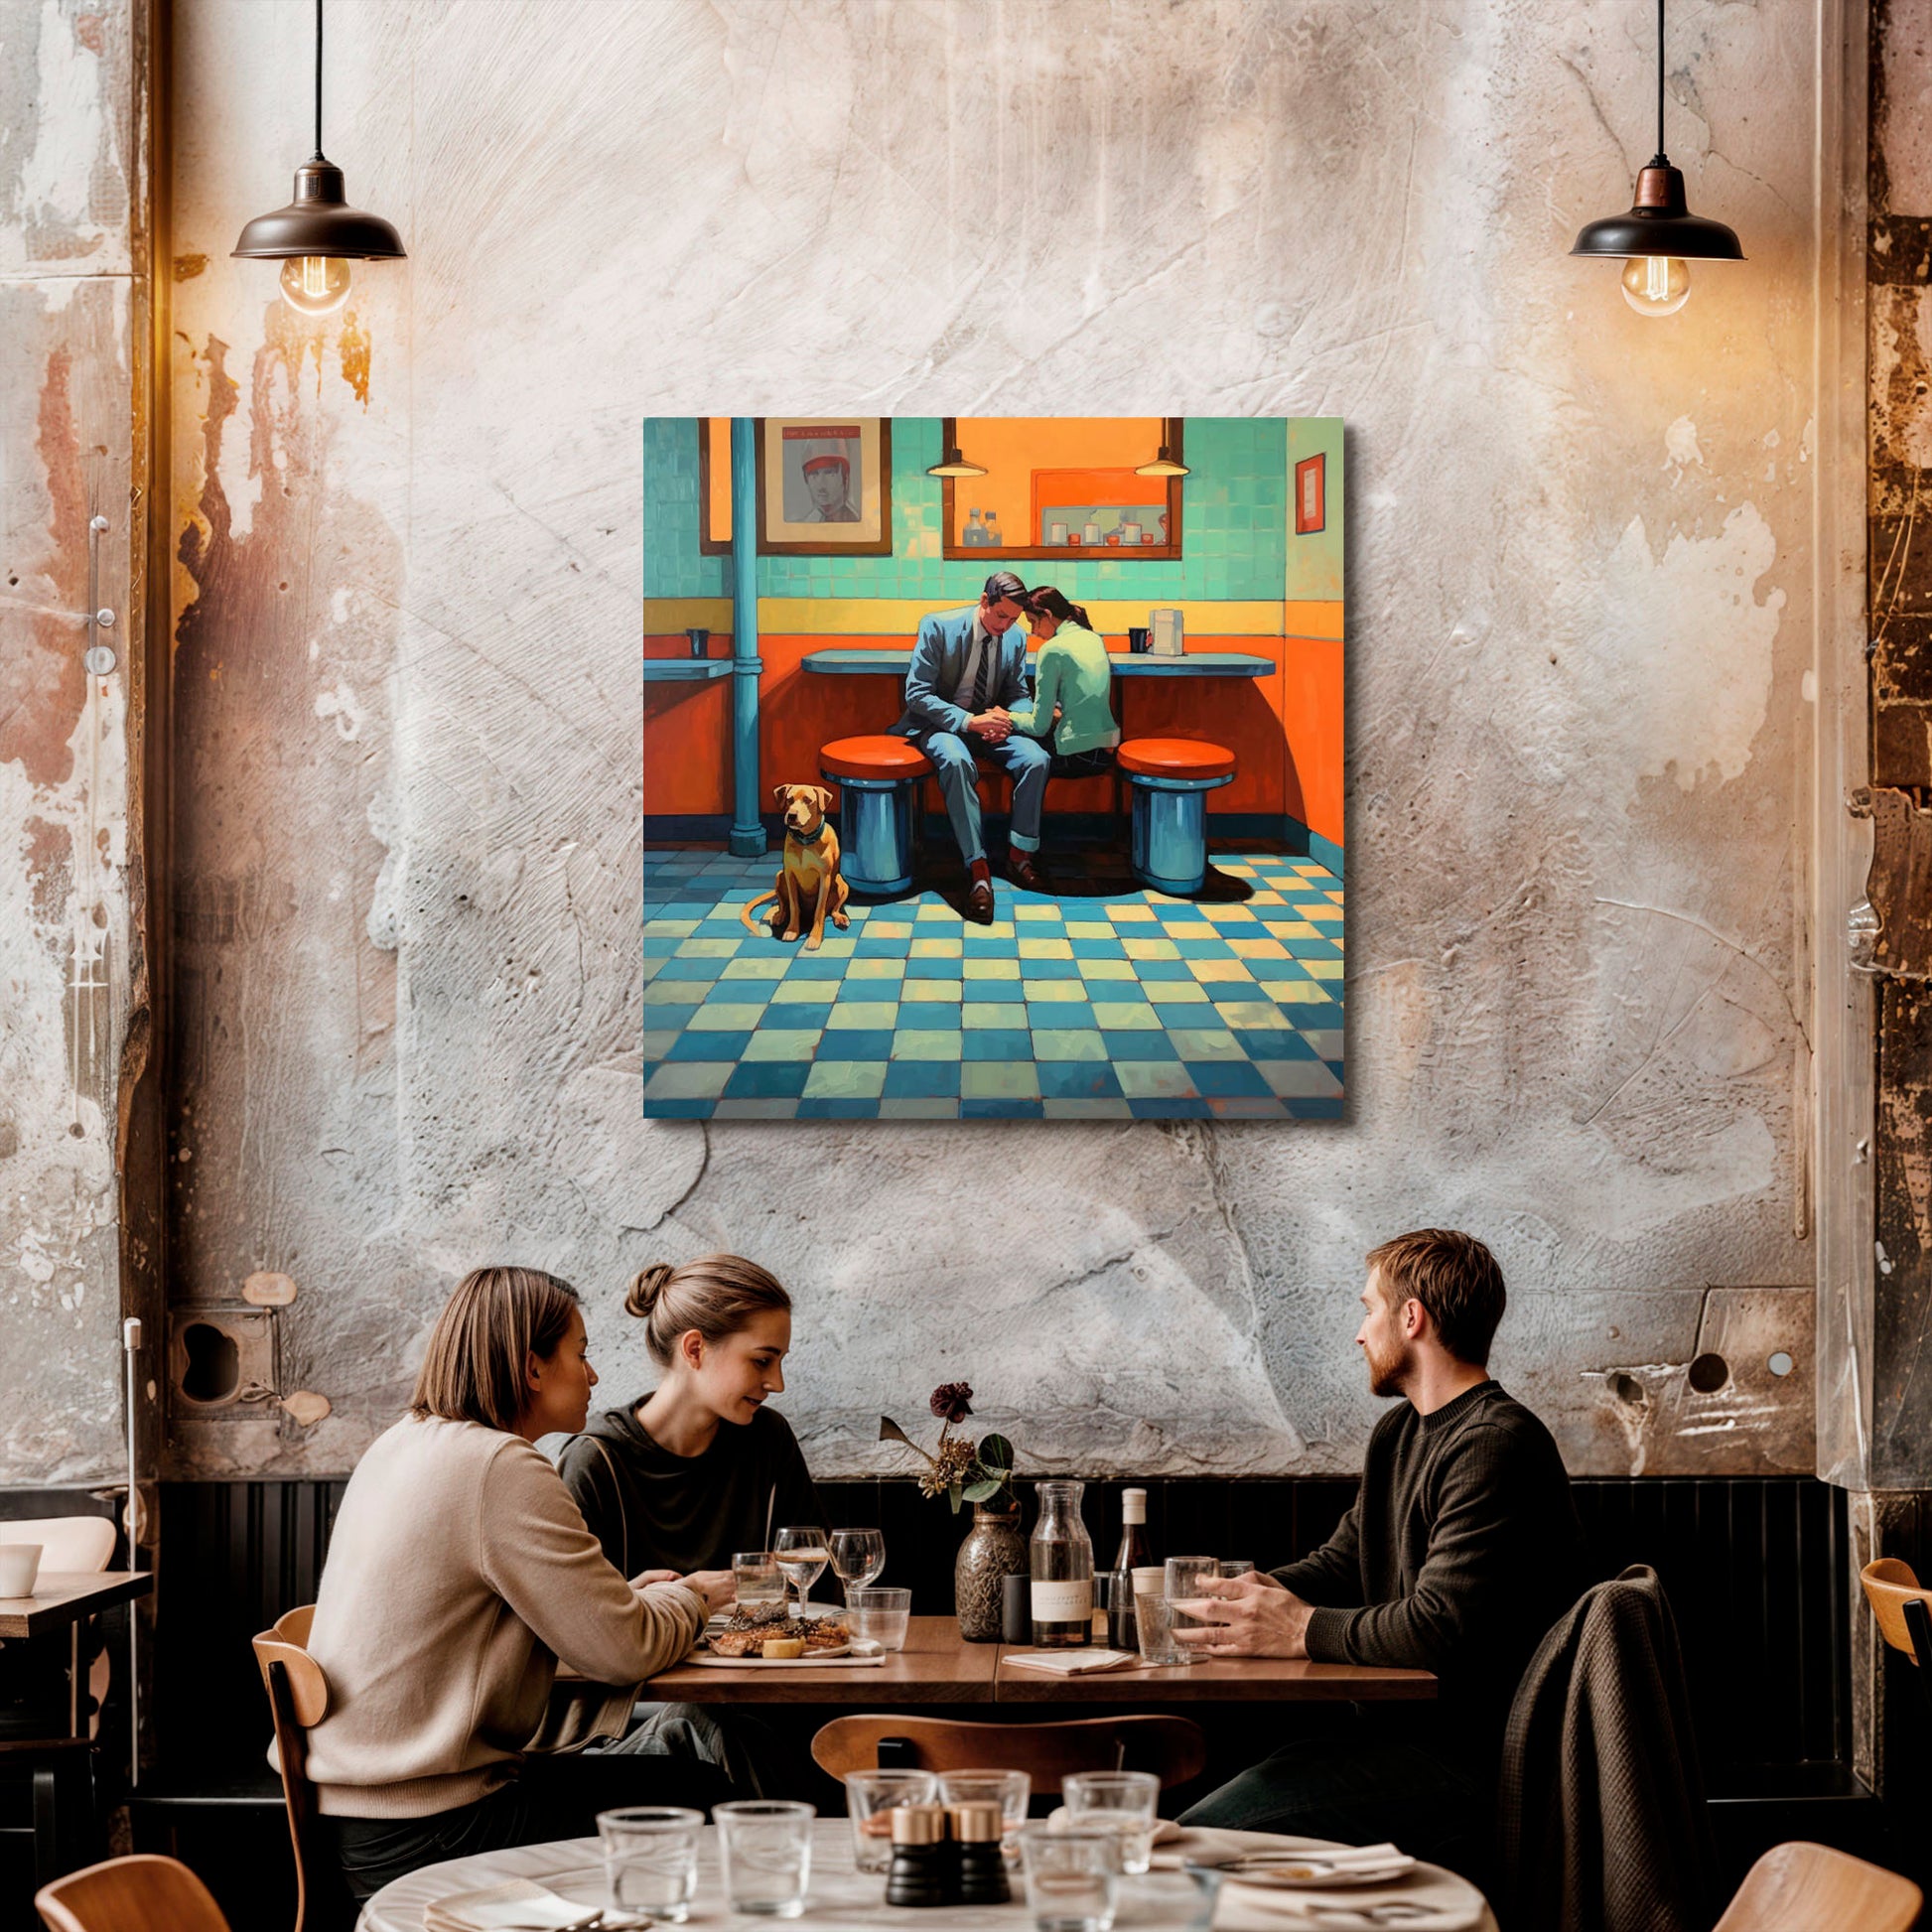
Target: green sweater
x=1074 y=673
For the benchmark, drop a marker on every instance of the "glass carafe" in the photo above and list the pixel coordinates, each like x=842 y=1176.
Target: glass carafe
x=1061 y=1562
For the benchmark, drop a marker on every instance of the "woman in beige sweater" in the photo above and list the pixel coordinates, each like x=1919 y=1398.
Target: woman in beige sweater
x=458 y=1574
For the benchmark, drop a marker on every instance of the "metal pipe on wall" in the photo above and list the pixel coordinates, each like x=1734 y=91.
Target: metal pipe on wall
x=748 y=838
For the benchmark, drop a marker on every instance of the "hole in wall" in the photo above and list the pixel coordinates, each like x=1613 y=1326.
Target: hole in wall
x=1780 y=1363
x=1708 y=1372
x=213 y=1370
x=1626 y=1388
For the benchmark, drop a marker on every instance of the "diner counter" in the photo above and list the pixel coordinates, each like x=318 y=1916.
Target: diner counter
x=1194 y=663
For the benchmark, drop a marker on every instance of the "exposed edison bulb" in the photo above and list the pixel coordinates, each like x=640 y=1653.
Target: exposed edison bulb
x=315 y=285
x=1656 y=285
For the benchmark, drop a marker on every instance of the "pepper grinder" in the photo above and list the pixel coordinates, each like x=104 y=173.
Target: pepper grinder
x=925 y=1868
x=982 y=1862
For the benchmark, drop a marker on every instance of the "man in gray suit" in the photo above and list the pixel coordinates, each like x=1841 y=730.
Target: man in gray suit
x=969 y=669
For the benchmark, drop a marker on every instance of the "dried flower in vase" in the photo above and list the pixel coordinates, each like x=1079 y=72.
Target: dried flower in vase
x=956 y=1468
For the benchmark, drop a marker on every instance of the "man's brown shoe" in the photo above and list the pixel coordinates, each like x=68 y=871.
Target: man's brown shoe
x=979 y=901
x=1024 y=869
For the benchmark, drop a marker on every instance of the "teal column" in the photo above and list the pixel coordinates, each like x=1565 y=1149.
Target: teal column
x=748 y=838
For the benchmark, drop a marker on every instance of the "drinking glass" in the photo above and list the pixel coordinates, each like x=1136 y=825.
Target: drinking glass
x=1012 y=1791
x=803 y=1555
x=871 y=1798
x=1232 y=1566
x=1156 y=1634
x=857 y=1557
x=766 y=1844
x=650 y=1864
x=761 y=1586
x=1184 y=1576
x=1072 y=1878
x=1117 y=1801
x=880 y=1615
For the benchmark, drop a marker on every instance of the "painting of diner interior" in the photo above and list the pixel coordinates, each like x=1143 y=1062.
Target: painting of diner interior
x=993 y=769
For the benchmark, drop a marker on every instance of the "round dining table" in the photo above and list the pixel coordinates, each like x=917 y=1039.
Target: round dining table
x=841 y=1897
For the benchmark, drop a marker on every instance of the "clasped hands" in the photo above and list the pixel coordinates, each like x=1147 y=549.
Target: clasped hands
x=716 y=1588
x=1250 y=1616
x=995 y=726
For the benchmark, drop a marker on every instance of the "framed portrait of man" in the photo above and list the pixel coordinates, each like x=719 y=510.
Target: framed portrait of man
x=825 y=486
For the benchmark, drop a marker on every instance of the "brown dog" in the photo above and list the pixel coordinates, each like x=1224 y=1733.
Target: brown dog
x=810 y=885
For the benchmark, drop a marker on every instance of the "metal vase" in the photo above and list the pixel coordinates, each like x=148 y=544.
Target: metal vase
x=993 y=1550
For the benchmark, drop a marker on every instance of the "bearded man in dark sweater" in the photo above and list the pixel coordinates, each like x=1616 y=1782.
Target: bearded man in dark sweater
x=1461 y=1549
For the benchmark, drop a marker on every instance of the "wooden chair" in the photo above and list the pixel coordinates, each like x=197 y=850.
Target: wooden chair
x=1803 y=1887
x=298 y=1697
x=142 y=1893
x=1171 y=1748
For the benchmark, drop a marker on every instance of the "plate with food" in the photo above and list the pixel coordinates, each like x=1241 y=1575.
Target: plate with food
x=793 y=1640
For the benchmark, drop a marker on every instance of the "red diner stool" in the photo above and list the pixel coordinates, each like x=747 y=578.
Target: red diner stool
x=877 y=778
x=1171 y=778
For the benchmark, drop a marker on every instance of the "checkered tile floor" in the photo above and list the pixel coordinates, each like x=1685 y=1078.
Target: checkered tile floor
x=1133 y=1007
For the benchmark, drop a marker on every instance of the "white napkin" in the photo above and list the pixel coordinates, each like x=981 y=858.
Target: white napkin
x=517 y=1906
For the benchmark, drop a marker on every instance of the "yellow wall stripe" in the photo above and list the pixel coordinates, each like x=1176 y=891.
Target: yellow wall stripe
x=885 y=617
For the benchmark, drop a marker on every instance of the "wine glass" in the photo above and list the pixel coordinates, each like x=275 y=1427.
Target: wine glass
x=857 y=1555
x=803 y=1555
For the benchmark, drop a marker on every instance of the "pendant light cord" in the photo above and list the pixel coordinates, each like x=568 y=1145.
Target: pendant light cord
x=1660 y=7
x=1660 y=77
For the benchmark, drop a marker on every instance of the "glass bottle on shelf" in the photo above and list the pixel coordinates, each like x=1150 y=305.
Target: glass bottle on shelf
x=993 y=535
x=1061 y=1560
x=975 y=529
x=1136 y=1552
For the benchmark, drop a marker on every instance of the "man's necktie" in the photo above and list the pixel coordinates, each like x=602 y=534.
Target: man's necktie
x=982 y=677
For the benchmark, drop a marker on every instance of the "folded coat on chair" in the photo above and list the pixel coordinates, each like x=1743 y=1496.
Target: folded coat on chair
x=1601 y=1819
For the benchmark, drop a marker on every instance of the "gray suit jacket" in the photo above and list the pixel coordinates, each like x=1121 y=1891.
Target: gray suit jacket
x=939 y=660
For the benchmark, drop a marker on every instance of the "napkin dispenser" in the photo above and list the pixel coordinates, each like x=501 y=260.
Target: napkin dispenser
x=1167 y=634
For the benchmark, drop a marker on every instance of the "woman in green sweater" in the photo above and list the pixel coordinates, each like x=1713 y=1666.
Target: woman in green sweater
x=1073 y=683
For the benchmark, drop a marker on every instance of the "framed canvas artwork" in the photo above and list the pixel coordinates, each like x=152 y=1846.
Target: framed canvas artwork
x=994 y=834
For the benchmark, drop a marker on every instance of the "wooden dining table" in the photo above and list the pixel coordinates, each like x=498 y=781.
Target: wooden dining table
x=939 y=1666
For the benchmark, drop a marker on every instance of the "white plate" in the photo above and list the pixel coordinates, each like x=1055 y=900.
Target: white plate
x=1292 y=1874
x=841 y=1655
x=813 y=1611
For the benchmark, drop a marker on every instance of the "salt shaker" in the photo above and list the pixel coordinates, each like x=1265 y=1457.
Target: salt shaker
x=926 y=1866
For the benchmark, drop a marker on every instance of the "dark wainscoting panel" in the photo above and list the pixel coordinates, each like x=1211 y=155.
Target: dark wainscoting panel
x=1757 y=1571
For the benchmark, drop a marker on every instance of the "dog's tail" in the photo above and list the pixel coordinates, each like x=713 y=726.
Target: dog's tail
x=744 y=911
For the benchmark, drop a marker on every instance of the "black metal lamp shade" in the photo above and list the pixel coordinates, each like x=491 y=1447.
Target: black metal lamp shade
x=1660 y=224
x=319 y=222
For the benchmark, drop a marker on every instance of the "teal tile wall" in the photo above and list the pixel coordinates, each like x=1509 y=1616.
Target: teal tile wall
x=1234 y=515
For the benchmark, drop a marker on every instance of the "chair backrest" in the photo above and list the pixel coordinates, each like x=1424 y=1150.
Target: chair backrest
x=80 y=1544
x=298 y=1697
x=1889 y=1585
x=142 y=1893
x=1171 y=1748
x=1803 y=1887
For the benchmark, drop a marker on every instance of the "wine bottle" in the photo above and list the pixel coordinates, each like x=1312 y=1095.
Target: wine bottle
x=1136 y=1552
x=1061 y=1560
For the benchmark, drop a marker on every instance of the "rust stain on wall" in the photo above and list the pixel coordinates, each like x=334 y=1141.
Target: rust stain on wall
x=186 y=267
x=356 y=358
x=1901 y=884
x=43 y=687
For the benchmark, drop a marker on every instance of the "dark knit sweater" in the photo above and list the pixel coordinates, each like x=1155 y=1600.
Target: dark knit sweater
x=652 y=1510
x=1459 y=1551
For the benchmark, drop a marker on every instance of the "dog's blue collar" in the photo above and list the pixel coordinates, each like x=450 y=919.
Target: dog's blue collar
x=823 y=823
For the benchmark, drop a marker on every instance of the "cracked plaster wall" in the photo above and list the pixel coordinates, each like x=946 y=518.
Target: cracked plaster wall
x=407 y=712
x=68 y=919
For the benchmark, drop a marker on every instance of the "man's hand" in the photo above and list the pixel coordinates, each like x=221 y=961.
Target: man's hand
x=645 y=1577
x=995 y=726
x=1252 y=1616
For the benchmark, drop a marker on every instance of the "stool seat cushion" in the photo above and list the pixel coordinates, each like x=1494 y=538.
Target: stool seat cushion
x=881 y=757
x=1175 y=757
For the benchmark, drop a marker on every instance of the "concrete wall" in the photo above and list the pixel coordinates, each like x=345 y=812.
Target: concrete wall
x=71 y=964
x=407 y=716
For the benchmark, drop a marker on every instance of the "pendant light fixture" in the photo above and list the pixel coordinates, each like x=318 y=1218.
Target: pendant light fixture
x=1166 y=462
x=1660 y=237
x=317 y=235
x=954 y=463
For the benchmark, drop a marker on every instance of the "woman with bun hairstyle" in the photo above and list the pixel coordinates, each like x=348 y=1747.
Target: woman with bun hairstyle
x=1073 y=687
x=684 y=1477
x=459 y=1574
